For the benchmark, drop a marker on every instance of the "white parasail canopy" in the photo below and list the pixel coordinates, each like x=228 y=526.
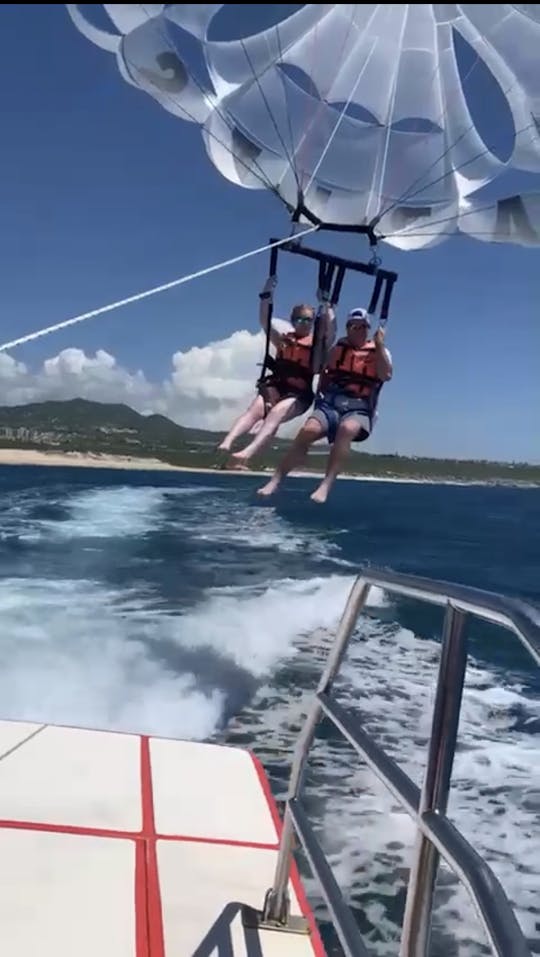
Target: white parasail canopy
x=363 y=113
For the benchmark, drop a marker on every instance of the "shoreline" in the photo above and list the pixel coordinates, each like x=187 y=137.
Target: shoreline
x=97 y=460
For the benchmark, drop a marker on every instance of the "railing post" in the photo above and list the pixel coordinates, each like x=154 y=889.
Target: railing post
x=276 y=904
x=435 y=833
x=417 y=919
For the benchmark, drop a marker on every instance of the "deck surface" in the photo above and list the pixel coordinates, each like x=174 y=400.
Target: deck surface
x=128 y=846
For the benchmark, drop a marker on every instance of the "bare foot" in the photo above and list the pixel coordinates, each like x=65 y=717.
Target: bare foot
x=269 y=488
x=319 y=495
x=237 y=465
x=238 y=460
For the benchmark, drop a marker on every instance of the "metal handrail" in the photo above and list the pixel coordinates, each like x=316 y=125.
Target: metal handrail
x=436 y=835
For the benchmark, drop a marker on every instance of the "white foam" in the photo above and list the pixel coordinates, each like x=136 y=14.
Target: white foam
x=258 y=628
x=103 y=513
x=127 y=512
x=227 y=522
x=77 y=652
x=109 y=513
x=73 y=652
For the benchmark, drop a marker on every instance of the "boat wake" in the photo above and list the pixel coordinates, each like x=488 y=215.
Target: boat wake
x=179 y=612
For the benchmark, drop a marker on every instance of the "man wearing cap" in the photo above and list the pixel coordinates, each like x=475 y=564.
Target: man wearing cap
x=345 y=407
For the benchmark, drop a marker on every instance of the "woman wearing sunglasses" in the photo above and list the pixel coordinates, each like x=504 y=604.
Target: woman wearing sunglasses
x=346 y=404
x=287 y=390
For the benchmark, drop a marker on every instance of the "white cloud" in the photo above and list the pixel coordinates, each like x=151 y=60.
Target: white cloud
x=69 y=374
x=207 y=388
x=211 y=384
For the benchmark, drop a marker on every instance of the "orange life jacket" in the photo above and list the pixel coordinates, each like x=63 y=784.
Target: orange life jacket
x=353 y=371
x=292 y=363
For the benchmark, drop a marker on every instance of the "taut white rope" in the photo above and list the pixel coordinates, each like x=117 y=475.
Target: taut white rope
x=149 y=292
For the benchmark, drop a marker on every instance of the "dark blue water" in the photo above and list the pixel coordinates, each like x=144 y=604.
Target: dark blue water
x=180 y=604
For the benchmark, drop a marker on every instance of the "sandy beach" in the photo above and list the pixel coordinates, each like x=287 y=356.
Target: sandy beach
x=95 y=460
x=83 y=460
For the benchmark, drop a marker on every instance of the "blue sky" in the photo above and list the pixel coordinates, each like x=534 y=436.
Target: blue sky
x=104 y=194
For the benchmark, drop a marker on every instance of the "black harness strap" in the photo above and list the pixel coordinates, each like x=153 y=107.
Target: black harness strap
x=267 y=360
x=384 y=280
x=331 y=276
x=326 y=274
x=336 y=293
x=385 y=308
x=376 y=294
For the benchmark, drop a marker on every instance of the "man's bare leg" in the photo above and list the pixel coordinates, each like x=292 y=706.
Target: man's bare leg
x=243 y=423
x=308 y=434
x=346 y=432
x=284 y=411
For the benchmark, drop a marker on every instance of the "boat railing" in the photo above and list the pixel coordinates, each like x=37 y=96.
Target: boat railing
x=436 y=836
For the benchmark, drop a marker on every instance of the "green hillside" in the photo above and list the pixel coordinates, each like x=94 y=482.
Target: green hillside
x=79 y=425
x=82 y=425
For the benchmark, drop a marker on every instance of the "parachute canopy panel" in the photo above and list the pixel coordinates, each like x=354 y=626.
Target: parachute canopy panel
x=361 y=113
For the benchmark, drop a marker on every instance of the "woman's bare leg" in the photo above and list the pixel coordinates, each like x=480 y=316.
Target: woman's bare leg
x=308 y=434
x=283 y=411
x=243 y=423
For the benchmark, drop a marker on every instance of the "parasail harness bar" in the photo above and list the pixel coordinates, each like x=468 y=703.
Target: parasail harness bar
x=360 y=229
x=332 y=271
x=335 y=267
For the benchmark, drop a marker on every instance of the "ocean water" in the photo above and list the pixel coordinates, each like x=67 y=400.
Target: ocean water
x=181 y=605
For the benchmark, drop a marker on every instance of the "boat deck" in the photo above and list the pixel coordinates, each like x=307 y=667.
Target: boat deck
x=128 y=846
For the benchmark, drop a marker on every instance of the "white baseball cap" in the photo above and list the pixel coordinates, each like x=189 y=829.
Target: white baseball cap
x=359 y=313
